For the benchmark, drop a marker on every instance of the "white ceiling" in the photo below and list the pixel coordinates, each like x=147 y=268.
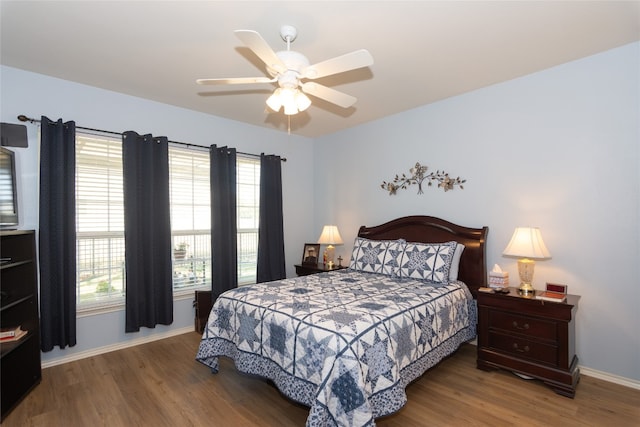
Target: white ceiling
x=423 y=51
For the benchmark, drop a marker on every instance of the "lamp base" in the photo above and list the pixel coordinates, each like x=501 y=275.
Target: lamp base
x=526 y=288
x=331 y=250
x=525 y=271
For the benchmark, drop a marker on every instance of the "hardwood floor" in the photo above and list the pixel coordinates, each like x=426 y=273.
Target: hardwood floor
x=160 y=384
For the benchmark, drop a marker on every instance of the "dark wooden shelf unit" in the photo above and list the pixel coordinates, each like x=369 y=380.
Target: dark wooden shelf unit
x=528 y=336
x=20 y=360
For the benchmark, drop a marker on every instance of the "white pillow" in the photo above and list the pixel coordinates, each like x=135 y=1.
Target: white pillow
x=455 y=262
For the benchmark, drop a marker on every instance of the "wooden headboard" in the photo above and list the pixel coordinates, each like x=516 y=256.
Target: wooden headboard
x=427 y=229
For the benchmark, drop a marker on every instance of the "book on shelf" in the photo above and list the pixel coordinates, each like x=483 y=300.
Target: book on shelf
x=551 y=296
x=9 y=332
x=12 y=334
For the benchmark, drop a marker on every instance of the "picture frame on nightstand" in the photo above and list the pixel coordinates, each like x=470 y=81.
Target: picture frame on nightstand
x=310 y=253
x=556 y=287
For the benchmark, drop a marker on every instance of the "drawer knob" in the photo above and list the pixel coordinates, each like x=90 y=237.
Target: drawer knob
x=523 y=327
x=516 y=347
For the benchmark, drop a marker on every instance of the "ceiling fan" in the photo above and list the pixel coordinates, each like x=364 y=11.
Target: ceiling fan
x=291 y=69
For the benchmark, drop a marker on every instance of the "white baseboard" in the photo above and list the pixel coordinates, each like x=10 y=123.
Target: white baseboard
x=114 y=347
x=627 y=382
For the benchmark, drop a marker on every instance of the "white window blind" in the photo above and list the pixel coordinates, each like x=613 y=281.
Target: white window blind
x=190 y=217
x=248 y=212
x=99 y=220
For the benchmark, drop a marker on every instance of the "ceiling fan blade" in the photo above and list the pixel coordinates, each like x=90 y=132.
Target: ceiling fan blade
x=323 y=92
x=235 y=81
x=339 y=64
x=254 y=41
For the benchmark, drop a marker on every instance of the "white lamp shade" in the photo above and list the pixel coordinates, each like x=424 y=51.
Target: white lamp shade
x=302 y=101
x=330 y=236
x=274 y=101
x=527 y=242
x=288 y=99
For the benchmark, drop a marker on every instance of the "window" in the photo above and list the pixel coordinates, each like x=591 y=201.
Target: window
x=100 y=219
x=190 y=217
x=248 y=181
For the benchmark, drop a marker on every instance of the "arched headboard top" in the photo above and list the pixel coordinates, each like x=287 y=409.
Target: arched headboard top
x=428 y=229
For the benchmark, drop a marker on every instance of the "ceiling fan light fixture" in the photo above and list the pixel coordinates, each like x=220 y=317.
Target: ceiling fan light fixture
x=302 y=101
x=291 y=99
x=288 y=99
x=274 y=102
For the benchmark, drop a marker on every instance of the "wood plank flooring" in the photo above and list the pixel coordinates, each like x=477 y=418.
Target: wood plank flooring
x=161 y=384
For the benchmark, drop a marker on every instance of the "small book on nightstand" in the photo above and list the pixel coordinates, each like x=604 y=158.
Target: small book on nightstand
x=554 y=292
x=551 y=296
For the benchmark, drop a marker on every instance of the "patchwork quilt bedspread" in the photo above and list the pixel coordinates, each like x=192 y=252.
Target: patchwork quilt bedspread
x=344 y=343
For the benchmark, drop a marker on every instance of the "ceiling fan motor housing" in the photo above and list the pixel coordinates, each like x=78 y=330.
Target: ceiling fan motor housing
x=295 y=63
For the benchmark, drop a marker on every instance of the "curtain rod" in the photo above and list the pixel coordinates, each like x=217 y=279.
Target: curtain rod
x=24 y=118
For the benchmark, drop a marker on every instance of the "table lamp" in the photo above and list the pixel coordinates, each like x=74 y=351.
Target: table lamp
x=527 y=244
x=330 y=236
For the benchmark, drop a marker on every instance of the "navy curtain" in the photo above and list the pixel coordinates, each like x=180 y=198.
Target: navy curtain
x=57 y=234
x=224 y=229
x=271 y=264
x=147 y=230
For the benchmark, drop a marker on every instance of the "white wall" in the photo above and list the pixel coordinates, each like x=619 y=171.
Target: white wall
x=557 y=149
x=34 y=95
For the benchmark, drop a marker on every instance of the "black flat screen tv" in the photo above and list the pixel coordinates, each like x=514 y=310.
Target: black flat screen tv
x=8 y=190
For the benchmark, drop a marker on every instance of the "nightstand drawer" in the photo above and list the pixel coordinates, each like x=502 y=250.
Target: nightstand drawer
x=529 y=326
x=524 y=348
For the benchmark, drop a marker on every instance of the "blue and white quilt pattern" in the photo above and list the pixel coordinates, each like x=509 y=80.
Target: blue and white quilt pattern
x=344 y=343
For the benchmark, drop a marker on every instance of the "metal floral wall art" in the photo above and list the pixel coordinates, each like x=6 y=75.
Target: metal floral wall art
x=418 y=176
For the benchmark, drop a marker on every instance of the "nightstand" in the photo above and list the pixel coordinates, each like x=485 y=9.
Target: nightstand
x=531 y=337
x=306 y=269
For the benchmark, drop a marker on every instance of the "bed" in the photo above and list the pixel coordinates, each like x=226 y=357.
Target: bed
x=348 y=342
